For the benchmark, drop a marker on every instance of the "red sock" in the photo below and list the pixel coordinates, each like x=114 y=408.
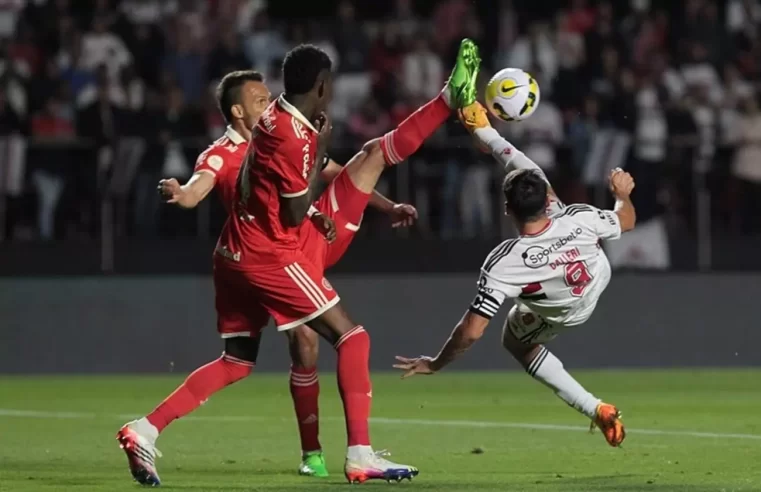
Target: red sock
x=198 y=387
x=354 y=384
x=305 y=390
x=405 y=139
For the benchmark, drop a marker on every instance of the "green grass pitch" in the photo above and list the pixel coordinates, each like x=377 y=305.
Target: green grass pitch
x=689 y=430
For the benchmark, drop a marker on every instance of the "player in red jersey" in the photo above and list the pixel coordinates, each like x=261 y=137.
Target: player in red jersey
x=260 y=260
x=245 y=96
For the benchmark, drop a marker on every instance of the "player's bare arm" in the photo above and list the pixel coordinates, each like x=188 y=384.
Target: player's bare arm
x=401 y=214
x=467 y=332
x=621 y=186
x=294 y=209
x=191 y=193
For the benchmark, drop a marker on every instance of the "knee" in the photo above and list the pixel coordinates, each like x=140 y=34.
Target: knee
x=243 y=348
x=373 y=150
x=305 y=346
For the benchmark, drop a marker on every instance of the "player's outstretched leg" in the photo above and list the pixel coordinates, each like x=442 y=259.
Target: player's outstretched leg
x=365 y=168
x=305 y=390
x=352 y=343
x=543 y=366
x=138 y=438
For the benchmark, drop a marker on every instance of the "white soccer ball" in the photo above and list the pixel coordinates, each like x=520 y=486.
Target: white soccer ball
x=512 y=95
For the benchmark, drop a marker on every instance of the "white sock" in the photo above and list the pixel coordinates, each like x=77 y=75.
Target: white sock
x=358 y=453
x=446 y=94
x=548 y=369
x=504 y=152
x=145 y=428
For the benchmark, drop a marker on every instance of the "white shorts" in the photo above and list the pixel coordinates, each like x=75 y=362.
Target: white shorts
x=529 y=327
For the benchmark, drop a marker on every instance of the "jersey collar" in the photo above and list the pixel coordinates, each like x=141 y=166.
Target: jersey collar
x=234 y=136
x=542 y=230
x=293 y=111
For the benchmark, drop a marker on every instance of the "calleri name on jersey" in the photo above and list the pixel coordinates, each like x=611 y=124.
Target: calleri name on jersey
x=558 y=273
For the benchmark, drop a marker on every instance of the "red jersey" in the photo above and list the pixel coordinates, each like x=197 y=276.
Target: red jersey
x=281 y=156
x=222 y=160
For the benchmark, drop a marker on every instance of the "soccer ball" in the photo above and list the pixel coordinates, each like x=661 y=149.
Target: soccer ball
x=512 y=95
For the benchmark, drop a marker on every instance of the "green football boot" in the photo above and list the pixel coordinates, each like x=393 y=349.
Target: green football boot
x=313 y=465
x=461 y=86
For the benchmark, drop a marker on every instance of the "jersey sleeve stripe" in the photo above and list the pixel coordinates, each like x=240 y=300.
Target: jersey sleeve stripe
x=207 y=171
x=499 y=253
x=572 y=210
x=481 y=312
x=295 y=195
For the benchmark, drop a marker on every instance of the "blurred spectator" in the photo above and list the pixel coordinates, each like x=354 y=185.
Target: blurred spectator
x=102 y=47
x=148 y=12
x=541 y=133
x=447 y=22
x=351 y=40
x=24 y=50
x=226 y=56
x=185 y=64
x=746 y=167
x=264 y=43
x=321 y=39
x=423 y=71
x=581 y=132
x=102 y=82
x=743 y=17
x=10 y=11
x=385 y=62
x=507 y=27
x=404 y=16
x=698 y=71
x=535 y=49
x=147 y=44
x=370 y=122
x=581 y=17
x=650 y=146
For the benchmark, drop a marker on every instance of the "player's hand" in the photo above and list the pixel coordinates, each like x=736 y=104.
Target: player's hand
x=403 y=215
x=170 y=190
x=417 y=365
x=325 y=126
x=325 y=225
x=621 y=183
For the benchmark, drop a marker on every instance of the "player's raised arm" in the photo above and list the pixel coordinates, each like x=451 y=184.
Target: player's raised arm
x=621 y=185
x=191 y=193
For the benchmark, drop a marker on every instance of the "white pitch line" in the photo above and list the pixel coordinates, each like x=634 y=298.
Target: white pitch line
x=7 y=412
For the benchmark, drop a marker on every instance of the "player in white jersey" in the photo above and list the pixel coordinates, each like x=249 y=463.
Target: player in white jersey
x=554 y=271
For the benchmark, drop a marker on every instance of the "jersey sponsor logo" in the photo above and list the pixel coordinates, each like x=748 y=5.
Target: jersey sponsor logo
x=566 y=258
x=267 y=121
x=215 y=162
x=326 y=285
x=539 y=256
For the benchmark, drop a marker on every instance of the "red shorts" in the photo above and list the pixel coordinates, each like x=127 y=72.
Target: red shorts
x=343 y=203
x=291 y=294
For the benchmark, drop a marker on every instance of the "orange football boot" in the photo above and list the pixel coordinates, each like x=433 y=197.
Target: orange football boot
x=608 y=419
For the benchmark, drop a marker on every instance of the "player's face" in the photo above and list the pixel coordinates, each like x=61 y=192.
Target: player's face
x=255 y=97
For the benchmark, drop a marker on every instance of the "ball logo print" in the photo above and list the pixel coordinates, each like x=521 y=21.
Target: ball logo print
x=512 y=95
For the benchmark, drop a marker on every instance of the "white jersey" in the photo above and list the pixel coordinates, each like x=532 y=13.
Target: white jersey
x=558 y=273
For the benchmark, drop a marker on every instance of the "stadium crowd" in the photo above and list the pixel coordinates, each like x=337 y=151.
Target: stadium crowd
x=101 y=98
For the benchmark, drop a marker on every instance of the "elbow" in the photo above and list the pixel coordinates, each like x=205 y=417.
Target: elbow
x=291 y=217
x=629 y=221
x=469 y=334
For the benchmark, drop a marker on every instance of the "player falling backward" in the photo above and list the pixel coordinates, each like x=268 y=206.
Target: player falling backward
x=555 y=271
x=264 y=268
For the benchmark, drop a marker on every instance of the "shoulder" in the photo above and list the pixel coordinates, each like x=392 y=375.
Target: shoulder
x=576 y=209
x=503 y=253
